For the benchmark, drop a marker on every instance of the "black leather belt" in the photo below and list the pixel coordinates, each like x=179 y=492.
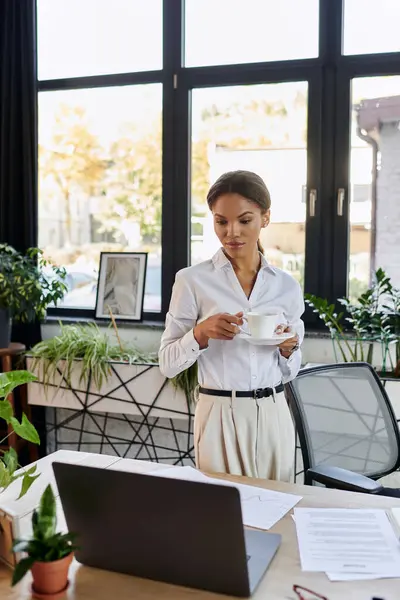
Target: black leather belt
x=259 y=393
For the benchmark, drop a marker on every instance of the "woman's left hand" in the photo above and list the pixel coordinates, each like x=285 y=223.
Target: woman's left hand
x=288 y=346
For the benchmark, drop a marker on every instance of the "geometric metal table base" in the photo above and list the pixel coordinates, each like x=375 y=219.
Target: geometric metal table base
x=155 y=439
x=137 y=413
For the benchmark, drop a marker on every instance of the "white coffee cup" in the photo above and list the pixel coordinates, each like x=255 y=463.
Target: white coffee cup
x=261 y=326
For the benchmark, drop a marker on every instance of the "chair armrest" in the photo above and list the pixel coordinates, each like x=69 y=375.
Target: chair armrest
x=342 y=479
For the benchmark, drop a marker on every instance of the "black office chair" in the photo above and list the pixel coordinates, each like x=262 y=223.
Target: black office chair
x=348 y=433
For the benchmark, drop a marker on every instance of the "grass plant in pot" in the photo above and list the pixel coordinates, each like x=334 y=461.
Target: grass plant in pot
x=48 y=553
x=85 y=364
x=93 y=350
x=28 y=285
x=85 y=346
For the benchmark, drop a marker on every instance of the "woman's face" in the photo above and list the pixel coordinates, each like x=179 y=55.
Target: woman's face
x=237 y=223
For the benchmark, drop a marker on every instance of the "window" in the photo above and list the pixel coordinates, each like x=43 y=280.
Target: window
x=143 y=104
x=374 y=180
x=94 y=37
x=260 y=128
x=232 y=31
x=100 y=182
x=371 y=26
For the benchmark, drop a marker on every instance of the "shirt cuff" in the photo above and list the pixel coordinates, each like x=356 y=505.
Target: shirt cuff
x=285 y=363
x=284 y=359
x=191 y=346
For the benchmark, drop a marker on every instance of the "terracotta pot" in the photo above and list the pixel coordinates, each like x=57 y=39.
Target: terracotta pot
x=50 y=578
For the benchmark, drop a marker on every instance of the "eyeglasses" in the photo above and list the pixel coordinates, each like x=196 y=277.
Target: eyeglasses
x=306 y=594
x=303 y=593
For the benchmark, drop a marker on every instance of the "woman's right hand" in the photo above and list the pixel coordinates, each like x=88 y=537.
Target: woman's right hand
x=222 y=326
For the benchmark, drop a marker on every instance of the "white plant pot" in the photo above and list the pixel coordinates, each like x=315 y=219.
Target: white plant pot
x=130 y=389
x=137 y=413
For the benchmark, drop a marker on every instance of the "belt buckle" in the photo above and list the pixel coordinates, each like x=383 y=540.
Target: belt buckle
x=258 y=393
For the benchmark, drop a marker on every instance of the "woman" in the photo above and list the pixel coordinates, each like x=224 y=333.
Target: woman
x=242 y=422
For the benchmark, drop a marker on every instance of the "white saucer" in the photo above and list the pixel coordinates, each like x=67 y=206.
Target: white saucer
x=275 y=340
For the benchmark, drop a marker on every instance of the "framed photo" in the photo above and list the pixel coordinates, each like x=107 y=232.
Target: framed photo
x=122 y=278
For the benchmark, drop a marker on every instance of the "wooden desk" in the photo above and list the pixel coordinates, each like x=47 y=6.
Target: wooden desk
x=93 y=584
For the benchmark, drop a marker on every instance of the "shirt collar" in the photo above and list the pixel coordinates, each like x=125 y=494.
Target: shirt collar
x=220 y=261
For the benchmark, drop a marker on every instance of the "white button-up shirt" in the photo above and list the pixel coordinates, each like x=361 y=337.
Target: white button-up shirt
x=212 y=287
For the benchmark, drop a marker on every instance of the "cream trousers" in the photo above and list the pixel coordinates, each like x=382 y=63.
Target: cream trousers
x=245 y=436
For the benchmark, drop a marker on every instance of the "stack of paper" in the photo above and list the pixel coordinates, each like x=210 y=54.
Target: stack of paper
x=347 y=544
x=394 y=517
x=261 y=508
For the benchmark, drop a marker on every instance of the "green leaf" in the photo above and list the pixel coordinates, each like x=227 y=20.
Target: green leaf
x=27 y=481
x=9 y=381
x=6 y=411
x=47 y=514
x=5 y=477
x=31 y=470
x=34 y=522
x=21 y=569
x=25 y=429
x=10 y=459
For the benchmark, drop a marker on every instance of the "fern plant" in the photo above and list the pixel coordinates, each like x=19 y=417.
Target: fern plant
x=374 y=317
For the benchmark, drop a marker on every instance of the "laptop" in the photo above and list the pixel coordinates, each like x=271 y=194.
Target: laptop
x=181 y=532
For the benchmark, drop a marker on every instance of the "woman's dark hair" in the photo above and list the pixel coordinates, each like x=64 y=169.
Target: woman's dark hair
x=246 y=184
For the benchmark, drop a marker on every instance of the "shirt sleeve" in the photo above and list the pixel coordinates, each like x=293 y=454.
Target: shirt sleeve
x=291 y=366
x=179 y=348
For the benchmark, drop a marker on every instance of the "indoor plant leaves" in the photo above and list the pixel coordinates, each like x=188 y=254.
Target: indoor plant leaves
x=25 y=429
x=9 y=381
x=46 y=545
x=9 y=460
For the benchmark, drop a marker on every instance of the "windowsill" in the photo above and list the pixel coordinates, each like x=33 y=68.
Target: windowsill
x=158 y=325
x=318 y=334
x=53 y=320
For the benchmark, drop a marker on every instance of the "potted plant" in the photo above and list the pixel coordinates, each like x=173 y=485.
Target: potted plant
x=28 y=284
x=373 y=319
x=25 y=429
x=393 y=312
x=89 y=350
x=48 y=553
x=84 y=373
x=83 y=351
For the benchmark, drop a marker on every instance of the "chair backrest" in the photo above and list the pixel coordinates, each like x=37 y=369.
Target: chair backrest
x=344 y=418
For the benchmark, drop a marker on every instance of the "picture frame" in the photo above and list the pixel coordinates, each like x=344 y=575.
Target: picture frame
x=121 y=285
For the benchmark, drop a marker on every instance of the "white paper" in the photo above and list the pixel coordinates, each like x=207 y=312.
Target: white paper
x=186 y=473
x=261 y=508
x=349 y=541
x=394 y=518
x=359 y=576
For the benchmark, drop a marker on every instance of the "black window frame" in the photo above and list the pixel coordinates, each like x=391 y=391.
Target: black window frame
x=329 y=79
